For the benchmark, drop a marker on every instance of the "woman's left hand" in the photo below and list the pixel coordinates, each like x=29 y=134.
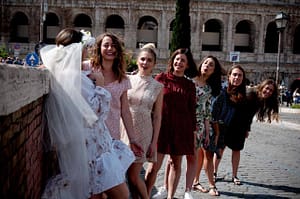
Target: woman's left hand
x=136 y=149
x=151 y=150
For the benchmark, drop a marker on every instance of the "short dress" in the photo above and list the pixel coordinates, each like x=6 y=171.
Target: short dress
x=203 y=112
x=141 y=97
x=233 y=134
x=116 y=89
x=178 y=124
x=108 y=159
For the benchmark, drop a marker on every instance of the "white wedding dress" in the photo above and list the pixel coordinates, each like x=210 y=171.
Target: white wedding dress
x=89 y=160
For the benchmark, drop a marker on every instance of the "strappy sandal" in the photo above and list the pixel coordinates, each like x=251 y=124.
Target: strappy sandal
x=200 y=188
x=213 y=191
x=236 y=181
x=215 y=177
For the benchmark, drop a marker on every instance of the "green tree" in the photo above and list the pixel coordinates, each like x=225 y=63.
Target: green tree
x=181 y=35
x=3 y=52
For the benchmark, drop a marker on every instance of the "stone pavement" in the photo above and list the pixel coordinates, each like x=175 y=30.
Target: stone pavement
x=269 y=166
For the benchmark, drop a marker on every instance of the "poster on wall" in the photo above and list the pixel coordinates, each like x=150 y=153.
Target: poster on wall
x=234 y=56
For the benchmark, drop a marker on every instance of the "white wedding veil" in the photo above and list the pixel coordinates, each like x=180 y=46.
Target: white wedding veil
x=67 y=114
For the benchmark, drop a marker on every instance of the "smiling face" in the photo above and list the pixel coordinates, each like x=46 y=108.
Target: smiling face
x=146 y=63
x=267 y=91
x=108 y=49
x=236 y=77
x=180 y=64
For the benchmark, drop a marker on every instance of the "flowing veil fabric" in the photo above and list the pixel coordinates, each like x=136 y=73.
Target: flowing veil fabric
x=67 y=114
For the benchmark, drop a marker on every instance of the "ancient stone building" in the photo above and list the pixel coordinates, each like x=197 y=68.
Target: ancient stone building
x=223 y=28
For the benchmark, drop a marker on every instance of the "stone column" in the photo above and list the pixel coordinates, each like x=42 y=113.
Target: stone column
x=130 y=31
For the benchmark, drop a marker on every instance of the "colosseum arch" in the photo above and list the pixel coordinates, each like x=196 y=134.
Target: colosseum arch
x=115 y=24
x=83 y=21
x=271 y=39
x=296 y=40
x=146 y=31
x=171 y=28
x=19 y=28
x=51 y=27
x=244 y=38
x=212 y=35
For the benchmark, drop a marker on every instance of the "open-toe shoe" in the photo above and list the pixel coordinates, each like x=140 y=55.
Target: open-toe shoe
x=200 y=188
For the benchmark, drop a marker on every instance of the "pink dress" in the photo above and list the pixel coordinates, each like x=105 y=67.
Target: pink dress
x=116 y=89
x=142 y=97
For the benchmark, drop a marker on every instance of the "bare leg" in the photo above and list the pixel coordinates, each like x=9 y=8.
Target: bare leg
x=209 y=171
x=217 y=161
x=209 y=167
x=199 y=165
x=136 y=182
x=235 y=160
x=190 y=171
x=174 y=175
x=151 y=172
x=118 y=192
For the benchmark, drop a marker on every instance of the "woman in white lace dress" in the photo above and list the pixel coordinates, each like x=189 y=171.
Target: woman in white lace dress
x=145 y=103
x=90 y=161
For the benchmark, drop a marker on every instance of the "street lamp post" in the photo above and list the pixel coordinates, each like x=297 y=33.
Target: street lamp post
x=281 y=21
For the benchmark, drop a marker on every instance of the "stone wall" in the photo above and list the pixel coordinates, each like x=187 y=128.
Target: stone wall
x=24 y=164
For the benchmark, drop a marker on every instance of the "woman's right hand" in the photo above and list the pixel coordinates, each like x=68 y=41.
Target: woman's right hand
x=97 y=77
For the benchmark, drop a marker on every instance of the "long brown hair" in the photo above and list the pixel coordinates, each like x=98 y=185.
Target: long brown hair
x=237 y=93
x=214 y=81
x=119 y=63
x=268 y=107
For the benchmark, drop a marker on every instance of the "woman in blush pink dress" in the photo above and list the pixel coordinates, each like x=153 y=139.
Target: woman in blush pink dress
x=110 y=60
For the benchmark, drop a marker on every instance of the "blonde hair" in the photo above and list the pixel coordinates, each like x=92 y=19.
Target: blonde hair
x=149 y=45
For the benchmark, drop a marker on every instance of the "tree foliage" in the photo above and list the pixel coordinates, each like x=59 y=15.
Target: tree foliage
x=3 y=52
x=181 y=35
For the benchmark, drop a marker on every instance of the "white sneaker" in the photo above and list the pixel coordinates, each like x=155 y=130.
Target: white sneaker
x=161 y=194
x=188 y=195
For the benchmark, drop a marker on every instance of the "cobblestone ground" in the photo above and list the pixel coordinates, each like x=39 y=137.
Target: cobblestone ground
x=269 y=165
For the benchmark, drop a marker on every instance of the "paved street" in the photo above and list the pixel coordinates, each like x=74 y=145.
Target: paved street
x=269 y=166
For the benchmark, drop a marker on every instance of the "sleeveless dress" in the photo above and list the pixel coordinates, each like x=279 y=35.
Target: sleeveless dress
x=178 y=123
x=142 y=97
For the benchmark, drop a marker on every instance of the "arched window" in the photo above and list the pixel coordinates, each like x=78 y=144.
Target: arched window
x=244 y=37
x=271 y=40
x=115 y=24
x=296 y=44
x=82 y=20
x=147 y=31
x=212 y=35
x=19 y=28
x=51 y=28
x=172 y=24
